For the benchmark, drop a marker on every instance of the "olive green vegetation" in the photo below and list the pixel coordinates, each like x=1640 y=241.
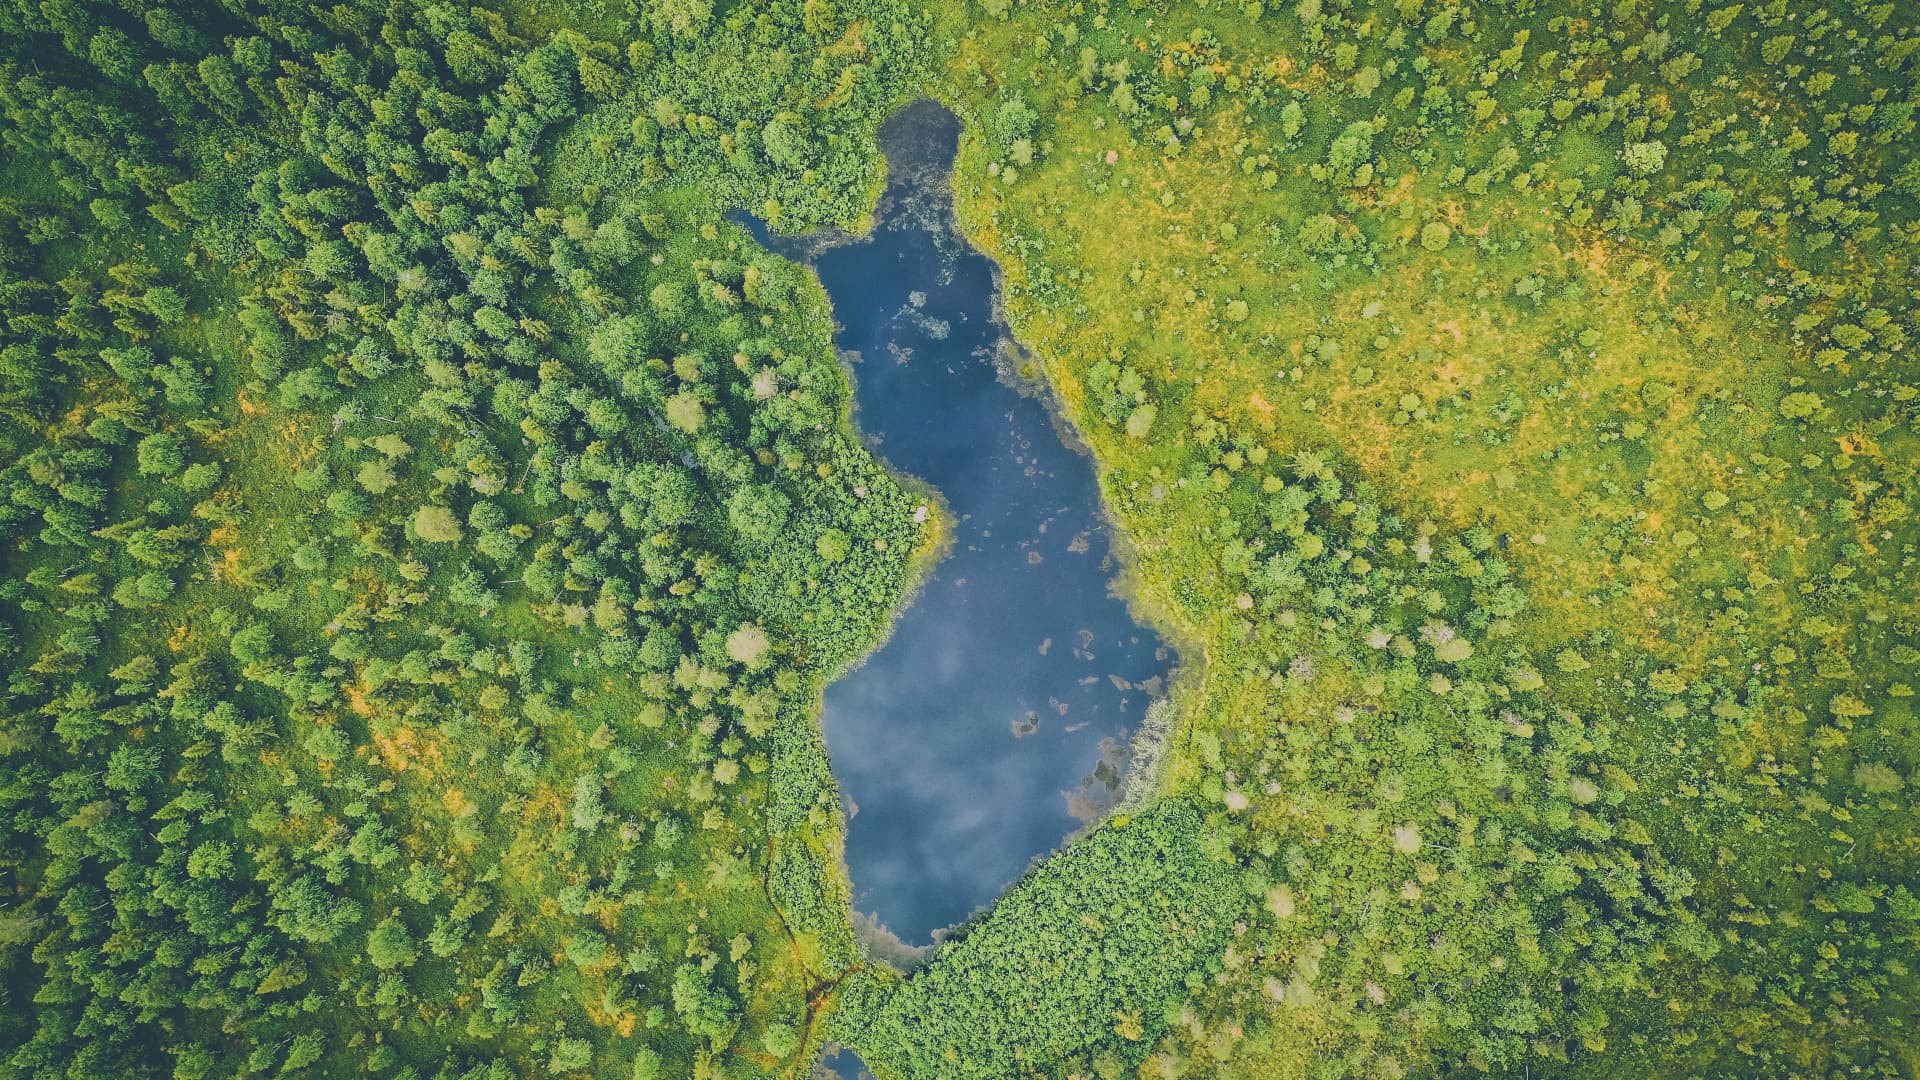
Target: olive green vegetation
x=1075 y=965
x=429 y=526
x=423 y=564
x=1514 y=402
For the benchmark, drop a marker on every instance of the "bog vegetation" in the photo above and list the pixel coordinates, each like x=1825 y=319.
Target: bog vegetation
x=422 y=560
x=429 y=524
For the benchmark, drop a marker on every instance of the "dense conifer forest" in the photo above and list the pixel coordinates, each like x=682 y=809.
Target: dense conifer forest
x=430 y=521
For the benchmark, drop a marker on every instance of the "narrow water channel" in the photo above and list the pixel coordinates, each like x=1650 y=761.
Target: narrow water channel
x=993 y=723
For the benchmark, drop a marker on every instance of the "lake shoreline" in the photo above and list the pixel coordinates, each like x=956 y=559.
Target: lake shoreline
x=915 y=209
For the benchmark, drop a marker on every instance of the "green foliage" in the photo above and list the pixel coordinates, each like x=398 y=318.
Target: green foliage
x=1082 y=957
x=428 y=522
x=369 y=490
x=707 y=1010
x=161 y=454
x=437 y=524
x=1529 y=522
x=390 y=944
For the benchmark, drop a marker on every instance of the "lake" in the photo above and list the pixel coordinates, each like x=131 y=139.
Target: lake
x=994 y=722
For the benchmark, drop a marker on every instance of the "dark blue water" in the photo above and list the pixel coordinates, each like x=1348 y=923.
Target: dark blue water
x=993 y=723
x=843 y=1064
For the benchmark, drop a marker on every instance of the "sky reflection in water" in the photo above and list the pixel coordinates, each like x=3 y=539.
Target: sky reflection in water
x=969 y=742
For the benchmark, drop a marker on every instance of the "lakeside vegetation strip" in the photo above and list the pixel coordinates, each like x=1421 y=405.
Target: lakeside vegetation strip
x=952 y=804
x=1080 y=960
x=410 y=593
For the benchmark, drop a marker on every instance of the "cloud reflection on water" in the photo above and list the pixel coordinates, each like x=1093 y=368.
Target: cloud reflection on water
x=953 y=803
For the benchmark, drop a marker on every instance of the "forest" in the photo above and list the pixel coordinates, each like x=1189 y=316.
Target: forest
x=429 y=521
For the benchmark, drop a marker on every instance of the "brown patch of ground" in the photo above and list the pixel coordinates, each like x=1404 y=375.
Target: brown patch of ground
x=1262 y=408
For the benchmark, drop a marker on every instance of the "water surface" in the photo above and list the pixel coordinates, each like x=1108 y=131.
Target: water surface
x=992 y=724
